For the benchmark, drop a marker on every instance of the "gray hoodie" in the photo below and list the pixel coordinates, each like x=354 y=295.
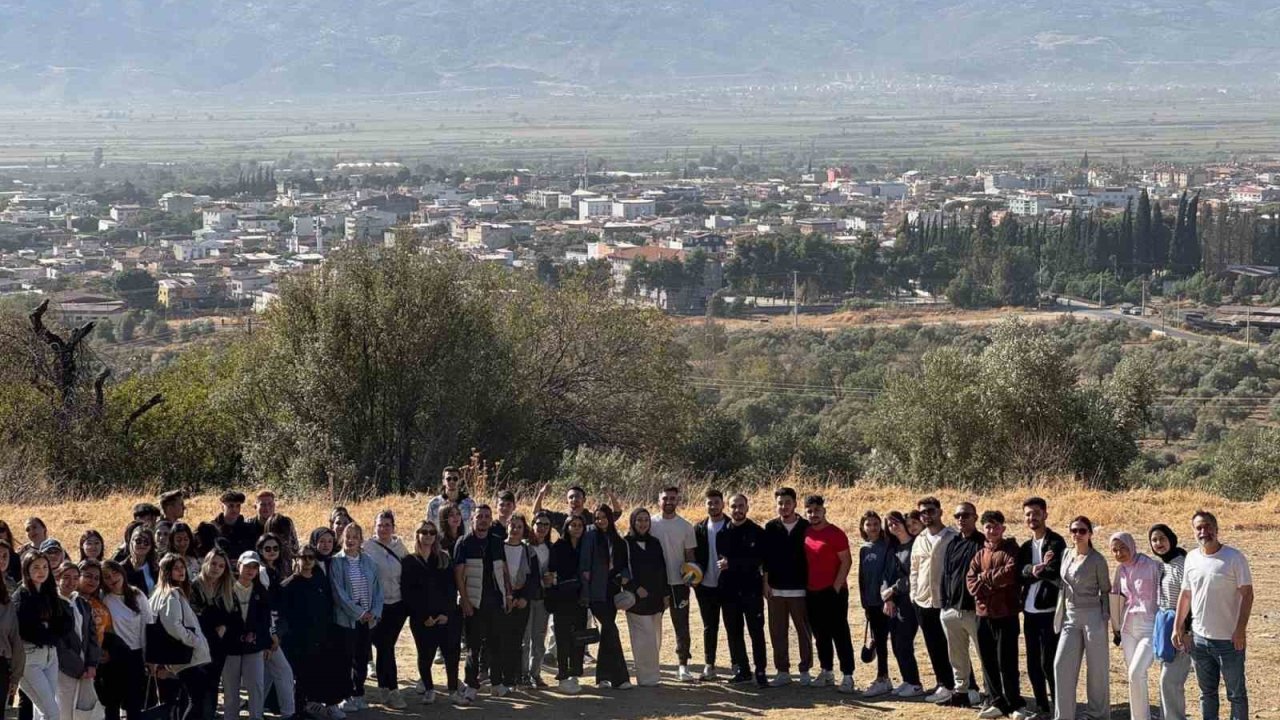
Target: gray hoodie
x=10 y=642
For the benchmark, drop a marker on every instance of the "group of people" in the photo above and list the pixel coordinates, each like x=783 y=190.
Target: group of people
x=180 y=614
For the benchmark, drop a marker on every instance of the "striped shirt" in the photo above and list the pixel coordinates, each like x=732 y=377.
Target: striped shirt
x=1171 y=582
x=359 y=584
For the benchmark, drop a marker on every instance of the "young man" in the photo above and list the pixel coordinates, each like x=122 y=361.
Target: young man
x=827 y=563
x=451 y=492
x=708 y=591
x=1039 y=577
x=993 y=581
x=786 y=574
x=479 y=562
x=147 y=514
x=173 y=505
x=959 y=613
x=265 y=507
x=740 y=545
x=506 y=508
x=1217 y=590
x=928 y=559
x=678 y=545
x=576 y=499
x=232 y=528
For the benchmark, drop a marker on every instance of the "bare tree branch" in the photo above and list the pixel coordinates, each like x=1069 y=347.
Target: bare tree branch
x=97 y=387
x=142 y=409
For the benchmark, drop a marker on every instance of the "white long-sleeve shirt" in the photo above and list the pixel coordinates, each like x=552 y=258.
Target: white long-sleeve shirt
x=388 y=565
x=928 y=560
x=128 y=625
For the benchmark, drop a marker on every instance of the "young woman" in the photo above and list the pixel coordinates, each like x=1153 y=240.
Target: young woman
x=603 y=557
x=896 y=604
x=1081 y=623
x=13 y=659
x=534 y=645
x=387 y=550
x=357 y=607
x=141 y=569
x=451 y=493
x=90 y=590
x=248 y=636
x=647 y=568
x=172 y=608
x=568 y=604
x=277 y=561
x=43 y=618
x=6 y=556
x=37 y=532
x=206 y=539
x=308 y=613
x=78 y=650
x=163 y=530
x=92 y=546
x=522 y=583
x=450 y=524
x=276 y=566
x=213 y=603
x=12 y=567
x=873 y=556
x=282 y=527
x=325 y=543
x=182 y=542
x=915 y=525
x=1135 y=591
x=435 y=621
x=339 y=519
x=122 y=681
x=1173 y=673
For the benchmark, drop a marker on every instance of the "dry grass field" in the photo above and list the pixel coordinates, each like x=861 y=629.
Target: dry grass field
x=1250 y=526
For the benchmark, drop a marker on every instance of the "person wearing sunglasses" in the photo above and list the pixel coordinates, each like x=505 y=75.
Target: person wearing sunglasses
x=141 y=568
x=1081 y=623
x=277 y=565
x=928 y=561
x=430 y=592
x=959 y=610
x=307 y=610
x=534 y=646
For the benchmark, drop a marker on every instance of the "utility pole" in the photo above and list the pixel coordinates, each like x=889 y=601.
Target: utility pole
x=795 y=300
x=1248 y=321
x=1100 y=292
x=1144 y=297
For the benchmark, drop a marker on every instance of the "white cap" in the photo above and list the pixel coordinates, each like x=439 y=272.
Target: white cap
x=249 y=556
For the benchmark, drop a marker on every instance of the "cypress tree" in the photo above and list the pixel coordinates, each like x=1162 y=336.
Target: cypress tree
x=1142 y=233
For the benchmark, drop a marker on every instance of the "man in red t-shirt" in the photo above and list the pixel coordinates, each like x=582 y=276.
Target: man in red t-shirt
x=826 y=550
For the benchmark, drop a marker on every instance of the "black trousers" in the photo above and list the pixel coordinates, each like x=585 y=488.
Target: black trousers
x=998 y=647
x=357 y=645
x=504 y=656
x=125 y=680
x=1042 y=647
x=384 y=636
x=6 y=672
x=829 y=621
x=748 y=610
x=709 y=608
x=935 y=641
x=903 y=628
x=447 y=639
x=481 y=631
x=570 y=619
x=188 y=692
x=878 y=624
x=212 y=681
x=680 y=621
x=611 y=665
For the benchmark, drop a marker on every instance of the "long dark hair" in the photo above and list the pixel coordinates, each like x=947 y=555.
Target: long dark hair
x=181 y=528
x=88 y=535
x=283 y=565
x=165 y=584
x=129 y=594
x=1087 y=523
x=447 y=536
x=47 y=593
x=4 y=587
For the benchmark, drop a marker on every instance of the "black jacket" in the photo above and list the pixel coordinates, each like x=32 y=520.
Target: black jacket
x=702 y=552
x=237 y=536
x=428 y=589
x=564 y=563
x=743 y=547
x=42 y=621
x=75 y=654
x=1050 y=579
x=213 y=613
x=257 y=622
x=648 y=570
x=306 y=608
x=955 y=566
x=784 y=558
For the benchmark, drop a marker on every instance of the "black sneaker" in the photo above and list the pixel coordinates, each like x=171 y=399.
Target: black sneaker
x=740 y=677
x=762 y=681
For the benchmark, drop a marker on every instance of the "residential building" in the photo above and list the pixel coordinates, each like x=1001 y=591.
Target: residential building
x=221 y=217
x=1030 y=204
x=258 y=223
x=125 y=215
x=364 y=226
x=594 y=207
x=178 y=203
x=490 y=235
x=824 y=226
x=1254 y=194
x=630 y=209
x=545 y=199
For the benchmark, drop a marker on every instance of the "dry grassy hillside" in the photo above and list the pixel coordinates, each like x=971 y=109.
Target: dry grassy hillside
x=1250 y=526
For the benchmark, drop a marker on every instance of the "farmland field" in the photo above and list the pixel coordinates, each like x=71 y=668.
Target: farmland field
x=1250 y=526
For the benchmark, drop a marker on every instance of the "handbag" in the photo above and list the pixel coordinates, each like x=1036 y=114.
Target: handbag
x=625 y=599
x=161 y=710
x=86 y=705
x=868 y=644
x=1162 y=636
x=165 y=649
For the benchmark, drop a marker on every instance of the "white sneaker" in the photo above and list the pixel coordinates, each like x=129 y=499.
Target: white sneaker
x=846 y=686
x=1026 y=713
x=428 y=697
x=439 y=658
x=461 y=697
x=603 y=684
x=806 y=679
x=991 y=712
x=350 y=705
x=782 y=679
x=333 y=713
x=499 y=691
x=878 y=688
x=683 y=674
x=908 y=691
x=624 y=685
x=569 y=686
x=824 y=679
x=939 y=695
x=395 y=700
x=709 y=674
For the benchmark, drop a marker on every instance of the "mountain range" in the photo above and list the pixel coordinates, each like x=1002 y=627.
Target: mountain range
x=104 y=48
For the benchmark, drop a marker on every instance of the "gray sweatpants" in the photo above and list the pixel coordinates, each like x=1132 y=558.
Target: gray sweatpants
x=1173 y=687
x=1084 y=637
x=242 y=671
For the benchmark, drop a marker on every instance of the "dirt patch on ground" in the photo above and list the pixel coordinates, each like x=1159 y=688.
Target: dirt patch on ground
x=880 y=317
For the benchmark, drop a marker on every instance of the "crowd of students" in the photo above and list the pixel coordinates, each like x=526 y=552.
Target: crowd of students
x=182 y=615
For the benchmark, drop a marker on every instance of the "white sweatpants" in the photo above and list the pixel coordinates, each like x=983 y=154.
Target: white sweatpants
x=69 y=690
x=1138 y=656
x=40 y=681
x=279 y=674
x=646 y=646
x=242 y=671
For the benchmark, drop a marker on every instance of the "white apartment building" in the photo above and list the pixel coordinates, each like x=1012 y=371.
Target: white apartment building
x=631 y=209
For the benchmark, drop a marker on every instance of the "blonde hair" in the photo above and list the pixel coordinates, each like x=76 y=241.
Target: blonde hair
x=220 y=588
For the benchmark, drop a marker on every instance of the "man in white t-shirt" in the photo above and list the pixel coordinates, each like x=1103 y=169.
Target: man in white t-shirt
x=1217 y=592
x=678 y=544
x=708 y=591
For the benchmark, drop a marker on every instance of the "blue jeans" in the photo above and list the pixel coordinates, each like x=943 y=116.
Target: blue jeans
x=1214 y=660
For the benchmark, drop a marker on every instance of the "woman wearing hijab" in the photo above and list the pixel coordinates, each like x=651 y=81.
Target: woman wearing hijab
x=1173 y=673
x=604 y=559
x=1134 y=592
x=647 y=566
x=325 y=542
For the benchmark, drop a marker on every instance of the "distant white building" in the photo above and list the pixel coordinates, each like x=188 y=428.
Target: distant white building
x=1254 y=194
x=178 y=203
x=1099 y=197
x=125 y=215
x=222 y=217
x=366 y=225
x=258 y=223
x=594 y=207
x=492 y=236
x=484 y=206
x=719 y=222
x=544 y=199
x=634 y=208
x=191 y=250
x=1030 y=204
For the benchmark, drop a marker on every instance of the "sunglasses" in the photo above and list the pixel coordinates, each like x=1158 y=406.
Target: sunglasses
x=961 y=516
x=429 y=533
x=270 y=548
x=306 y=558
x=141 y=541
x=1079 y=531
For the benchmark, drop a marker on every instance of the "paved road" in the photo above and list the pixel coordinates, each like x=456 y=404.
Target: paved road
x=1093 y=312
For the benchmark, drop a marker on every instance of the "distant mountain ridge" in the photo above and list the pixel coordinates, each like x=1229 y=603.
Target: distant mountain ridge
x=88 y=48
